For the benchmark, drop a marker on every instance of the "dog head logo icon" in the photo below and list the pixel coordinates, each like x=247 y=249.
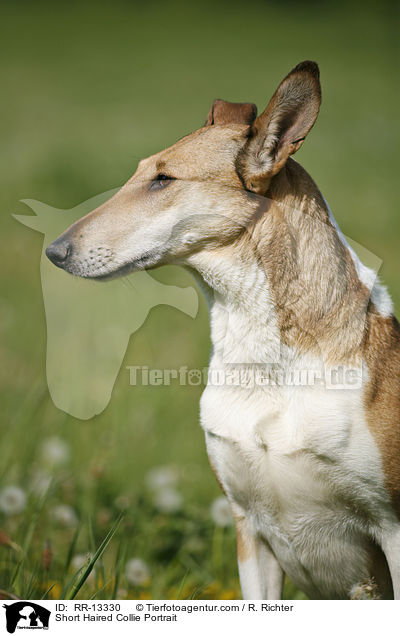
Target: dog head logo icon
x=26 y=615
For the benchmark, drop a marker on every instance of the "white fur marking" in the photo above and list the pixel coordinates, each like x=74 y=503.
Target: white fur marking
x=379 y=294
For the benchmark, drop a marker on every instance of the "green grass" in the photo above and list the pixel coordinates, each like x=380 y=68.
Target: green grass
x=86 y=91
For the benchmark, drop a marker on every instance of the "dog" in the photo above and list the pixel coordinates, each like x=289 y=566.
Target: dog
x=311 y=470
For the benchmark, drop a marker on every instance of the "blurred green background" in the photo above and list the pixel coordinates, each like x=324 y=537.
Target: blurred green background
x=87 y=90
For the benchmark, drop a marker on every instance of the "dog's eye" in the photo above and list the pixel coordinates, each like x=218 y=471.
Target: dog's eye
x=161 y=181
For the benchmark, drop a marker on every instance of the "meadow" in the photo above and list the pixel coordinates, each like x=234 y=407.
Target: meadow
x=124 y=505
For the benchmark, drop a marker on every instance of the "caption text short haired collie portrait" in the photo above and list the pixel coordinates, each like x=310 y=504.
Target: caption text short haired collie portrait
x=312 y=474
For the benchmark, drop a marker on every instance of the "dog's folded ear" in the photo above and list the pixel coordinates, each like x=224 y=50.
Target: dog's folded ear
x=222 y=112
x=281 y=129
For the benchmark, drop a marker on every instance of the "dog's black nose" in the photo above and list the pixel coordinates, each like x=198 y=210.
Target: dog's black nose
x=58 y=252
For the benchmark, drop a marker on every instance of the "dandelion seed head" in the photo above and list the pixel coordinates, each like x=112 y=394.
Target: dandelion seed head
x=12 y=500
x=55 y=451
x=168 y=500
x=64 y=516
x=221 y=512
x=137 y=572
x=80 y=560
x=162 y=477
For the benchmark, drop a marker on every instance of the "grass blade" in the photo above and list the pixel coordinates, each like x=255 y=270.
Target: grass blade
x=44 y=597
x=72 y=547
x=120 y=559
x=87 y=570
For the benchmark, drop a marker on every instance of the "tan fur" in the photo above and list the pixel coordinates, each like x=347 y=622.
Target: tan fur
x=245 y=549
x=222 y=112
x=382 y=398
x=320 y=302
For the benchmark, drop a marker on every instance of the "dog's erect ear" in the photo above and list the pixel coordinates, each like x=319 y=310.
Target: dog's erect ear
x=222 y=112
x=281 y=129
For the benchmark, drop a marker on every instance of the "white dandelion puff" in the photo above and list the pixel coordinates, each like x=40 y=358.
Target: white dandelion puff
x=121 y=593
x=221 y=512
x=82 y=560
x=137 y=572
x=168 y=500
x=12 y=500
x=55 y=451
x=64 y=516
x=162 y=477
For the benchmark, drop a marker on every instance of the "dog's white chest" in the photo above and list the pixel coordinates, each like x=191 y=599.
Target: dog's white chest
x=284 y=429
x=301 y=465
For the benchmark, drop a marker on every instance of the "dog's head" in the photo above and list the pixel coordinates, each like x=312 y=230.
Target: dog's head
x=199 y=193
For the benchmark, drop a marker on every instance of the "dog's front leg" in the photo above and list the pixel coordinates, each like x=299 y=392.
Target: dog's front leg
x=391 y=549
x=261 y=576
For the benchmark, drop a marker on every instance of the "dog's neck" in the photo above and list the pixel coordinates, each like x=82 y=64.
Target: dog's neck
x=287 y=281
